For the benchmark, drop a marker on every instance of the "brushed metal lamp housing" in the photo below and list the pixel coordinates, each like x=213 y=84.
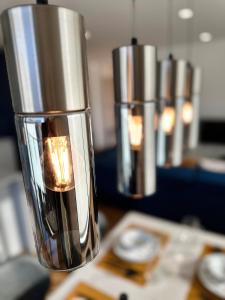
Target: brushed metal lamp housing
x=134 y=69
x=47 y=68
x=171 y=94
x=196 y=94
x=188 y=109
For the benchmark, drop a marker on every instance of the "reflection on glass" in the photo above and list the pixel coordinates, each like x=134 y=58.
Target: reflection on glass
x=135 y=131
x=136 y=149
x=60 y=187
x=168 y=120
x=187 y=113
x=58 y=164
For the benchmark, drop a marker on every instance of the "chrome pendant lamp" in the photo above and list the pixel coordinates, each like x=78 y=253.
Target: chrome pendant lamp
x=47 y=68
x=134 y=68
x=191 y=106
x=196 y=94
x=187 y=111
x=171 y=94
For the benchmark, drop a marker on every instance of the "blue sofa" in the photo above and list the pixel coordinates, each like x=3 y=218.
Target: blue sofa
x=180 y=192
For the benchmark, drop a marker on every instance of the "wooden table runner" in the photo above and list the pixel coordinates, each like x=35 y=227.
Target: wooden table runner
x=85 y=291
x=197 y=291
x=135 y=272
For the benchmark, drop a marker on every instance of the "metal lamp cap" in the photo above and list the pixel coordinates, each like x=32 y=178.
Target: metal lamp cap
x=46 y=58
x=197 y=81
x=172 y=79
x=188 y=82
x=134 y=69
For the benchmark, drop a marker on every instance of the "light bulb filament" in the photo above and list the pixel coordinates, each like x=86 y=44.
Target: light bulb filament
x=135 y=131
x=187 y=112
x=168 y=120
x=58 y=164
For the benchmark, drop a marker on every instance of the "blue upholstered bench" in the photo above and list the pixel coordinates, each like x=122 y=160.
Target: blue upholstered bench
x=180 y=192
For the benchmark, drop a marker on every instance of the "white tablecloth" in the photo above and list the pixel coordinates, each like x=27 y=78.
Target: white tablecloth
x=162 y=285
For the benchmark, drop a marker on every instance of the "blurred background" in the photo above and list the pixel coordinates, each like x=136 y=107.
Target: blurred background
x=108 y=26
x=193 y=193
x=181 y=191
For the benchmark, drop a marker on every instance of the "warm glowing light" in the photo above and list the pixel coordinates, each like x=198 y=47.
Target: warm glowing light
x=58 y=164
x=185 y=13
x=205 y=37
x=168 y=119
x=135 y=131
x=187 y=113
x=88 y=35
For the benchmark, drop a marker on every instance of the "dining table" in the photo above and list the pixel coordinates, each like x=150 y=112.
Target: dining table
x=171 y=275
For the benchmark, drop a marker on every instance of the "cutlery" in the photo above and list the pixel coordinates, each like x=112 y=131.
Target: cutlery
x=127 y=271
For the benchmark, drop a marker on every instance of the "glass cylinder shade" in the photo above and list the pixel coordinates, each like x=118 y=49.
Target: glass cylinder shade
x=136 y=149
x=57 y=158
x=187 y=117
x=169 y=135
x=166 y=123
x=188 y=110
x=172 y=93
x=196 y=92
x=194 y=126
x=47 y=67
x=134 y=73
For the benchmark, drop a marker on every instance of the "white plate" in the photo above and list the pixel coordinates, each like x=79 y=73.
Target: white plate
x=212 y=165
x=211 y=273
x=137 y=246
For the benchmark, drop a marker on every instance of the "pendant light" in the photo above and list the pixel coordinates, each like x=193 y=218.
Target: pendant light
x=134 y=68
x=171 y=87
x=171 y=94
x=193 y=82
x=191 y=109
x=46 y=62
x=196 y=93
x=187 y=111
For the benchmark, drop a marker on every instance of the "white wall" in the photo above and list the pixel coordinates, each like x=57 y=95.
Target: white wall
x=102 y=100
x=210 y=56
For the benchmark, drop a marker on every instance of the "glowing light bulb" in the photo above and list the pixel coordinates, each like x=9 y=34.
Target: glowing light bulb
x=58 y=164
x=187 y=113
x=135 y=124
x=185 y=13
x=168 y=119
x=205 y=37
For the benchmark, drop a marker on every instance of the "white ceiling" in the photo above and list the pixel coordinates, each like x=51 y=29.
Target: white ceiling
x=109 y=21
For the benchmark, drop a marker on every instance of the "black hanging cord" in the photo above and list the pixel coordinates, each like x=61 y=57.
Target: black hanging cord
x=123 y=296
x=170 y=56
x=42 y=1
x=189 y=32
x=169 y=31
x=134 y=40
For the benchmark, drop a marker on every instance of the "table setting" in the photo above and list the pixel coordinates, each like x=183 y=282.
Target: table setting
x=148 y=120
x=141 y=258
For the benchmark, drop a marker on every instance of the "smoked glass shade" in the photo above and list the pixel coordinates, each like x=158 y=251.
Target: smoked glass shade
x=57 y=158
x=134 y=69
x=187 y=112
x=47 y=67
